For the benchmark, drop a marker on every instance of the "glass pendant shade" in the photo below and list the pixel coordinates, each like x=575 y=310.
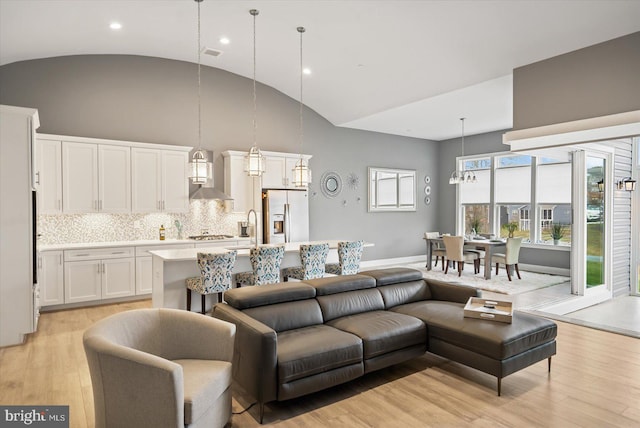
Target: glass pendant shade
x=301 y=174
x=462 y=176
x=254 y=163
x=200 y=168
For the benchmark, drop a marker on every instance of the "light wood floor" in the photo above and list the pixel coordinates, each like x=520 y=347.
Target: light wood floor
x=594 y=382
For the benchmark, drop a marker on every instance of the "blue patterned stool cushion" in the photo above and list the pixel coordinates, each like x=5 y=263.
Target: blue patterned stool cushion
x=265 y=262
x=349 y=255
x=313 y=258
x=215 y=272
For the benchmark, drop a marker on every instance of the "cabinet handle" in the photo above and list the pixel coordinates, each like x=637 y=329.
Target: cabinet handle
x=39 y=262
x=60 y=259
x=118 y=252
x=82 y=255
x=104 y=268
x=100 y=204
x=38 y=177
x=98 y=268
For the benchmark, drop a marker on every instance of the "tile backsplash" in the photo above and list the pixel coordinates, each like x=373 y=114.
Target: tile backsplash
x=74 y=228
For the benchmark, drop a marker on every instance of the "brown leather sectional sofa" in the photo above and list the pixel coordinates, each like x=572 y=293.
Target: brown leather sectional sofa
x=297 y=338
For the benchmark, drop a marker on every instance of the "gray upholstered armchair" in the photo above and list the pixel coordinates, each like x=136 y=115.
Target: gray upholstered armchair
x=160 y=368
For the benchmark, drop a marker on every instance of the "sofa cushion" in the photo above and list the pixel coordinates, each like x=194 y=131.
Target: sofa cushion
x=341 y=283
x=316 y=349
x=393 y=275
x=446 y=321
x=204 y=382
x=249 y=297
x=407 y=292
x=288 y=315
x=382 y=331
x=350 y=303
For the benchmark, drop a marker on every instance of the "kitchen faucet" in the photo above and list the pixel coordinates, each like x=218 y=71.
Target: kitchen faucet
x=255 y=232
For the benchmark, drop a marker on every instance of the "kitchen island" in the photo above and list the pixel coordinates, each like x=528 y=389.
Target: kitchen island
x=172 y=267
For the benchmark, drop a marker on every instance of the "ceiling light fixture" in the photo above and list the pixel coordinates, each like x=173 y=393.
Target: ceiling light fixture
x=254 y=161
x=115 y=25
x=201 y=168
x=459 y=176
x=306 y=71
x=301 y=172
x=225 y=40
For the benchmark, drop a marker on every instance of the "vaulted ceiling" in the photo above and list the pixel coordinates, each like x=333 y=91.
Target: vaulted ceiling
x=409 y=68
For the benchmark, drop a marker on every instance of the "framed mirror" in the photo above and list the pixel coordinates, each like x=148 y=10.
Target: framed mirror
x=331 y=184
x=392 y=189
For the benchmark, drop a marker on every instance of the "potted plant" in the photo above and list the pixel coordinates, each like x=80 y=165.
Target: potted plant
x=511 y=227
x=557 y=232
x=474 y=225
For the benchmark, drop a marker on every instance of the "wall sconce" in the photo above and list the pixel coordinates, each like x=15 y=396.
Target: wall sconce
x=601 y=186
x=627 y=183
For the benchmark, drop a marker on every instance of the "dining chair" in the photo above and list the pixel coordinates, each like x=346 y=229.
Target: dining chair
x=349 y=255
x=436 y=249
x=265 y=262
x=510 y=257
x=313 y=258
x=215 y=275
x=454 y=246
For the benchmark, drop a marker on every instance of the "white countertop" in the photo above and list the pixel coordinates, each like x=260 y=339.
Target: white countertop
x=138 y=243
x=243 y=250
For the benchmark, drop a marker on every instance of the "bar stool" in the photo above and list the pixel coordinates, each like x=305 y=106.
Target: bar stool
x=313 y=258
x=265 y=262
x=215 y=275
x=349 y=255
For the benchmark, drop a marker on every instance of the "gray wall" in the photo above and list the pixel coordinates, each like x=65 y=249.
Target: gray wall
x=155 y=100
x=599 y=80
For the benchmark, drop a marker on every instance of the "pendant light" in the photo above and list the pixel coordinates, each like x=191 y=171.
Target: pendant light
x=459 y=176
x=200 y=167
x=301 y=172
x=254 y=161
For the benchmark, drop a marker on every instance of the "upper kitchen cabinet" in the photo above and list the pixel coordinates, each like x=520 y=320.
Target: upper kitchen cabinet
x=279 y=169
x=48 y=176
x=160 y=180
x=96 y=178
x=244 y=190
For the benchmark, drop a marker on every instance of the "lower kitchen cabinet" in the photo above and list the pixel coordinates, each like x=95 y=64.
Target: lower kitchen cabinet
x=98 y=274
x=51 y=278
x=144 y=268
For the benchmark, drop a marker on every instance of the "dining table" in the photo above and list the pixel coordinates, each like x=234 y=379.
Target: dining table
x=488 y=245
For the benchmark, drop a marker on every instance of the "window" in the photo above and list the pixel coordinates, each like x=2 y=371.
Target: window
x=529 y=194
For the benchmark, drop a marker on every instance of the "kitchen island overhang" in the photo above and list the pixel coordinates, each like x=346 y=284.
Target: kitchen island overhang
x=172 y=267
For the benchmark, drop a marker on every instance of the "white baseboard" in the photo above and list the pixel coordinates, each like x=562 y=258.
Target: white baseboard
x=545 y=269
x=393 y=261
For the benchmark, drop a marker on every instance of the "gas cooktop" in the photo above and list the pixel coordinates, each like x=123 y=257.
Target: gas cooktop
x=209 y=237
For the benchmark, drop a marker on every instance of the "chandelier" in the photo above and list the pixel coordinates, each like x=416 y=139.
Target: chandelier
x=459 y=176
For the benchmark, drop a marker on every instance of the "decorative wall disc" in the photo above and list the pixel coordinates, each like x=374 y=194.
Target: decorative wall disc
x=331 y=184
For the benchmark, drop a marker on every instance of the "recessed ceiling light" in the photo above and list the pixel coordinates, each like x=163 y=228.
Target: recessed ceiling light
x=115 y=25
x=306 y=71
x=224 y=40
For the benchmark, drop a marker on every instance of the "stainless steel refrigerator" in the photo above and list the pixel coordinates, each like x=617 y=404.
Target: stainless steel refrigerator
x=286 y=216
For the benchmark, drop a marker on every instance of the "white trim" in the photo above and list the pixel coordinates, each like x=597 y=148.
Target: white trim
x=580 y=131
x=544 y=269
x=635 y=221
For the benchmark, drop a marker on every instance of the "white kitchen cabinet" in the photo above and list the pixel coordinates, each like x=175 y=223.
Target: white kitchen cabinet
x=95 y=178
x=49 y=176
x=82 y=281
x=279 y=170
x=96 y=274
x=244 y=190
x=159 y=180
x=144 y=269
x=51 y=278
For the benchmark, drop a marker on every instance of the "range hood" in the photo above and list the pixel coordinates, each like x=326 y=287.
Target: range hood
x=209 y=193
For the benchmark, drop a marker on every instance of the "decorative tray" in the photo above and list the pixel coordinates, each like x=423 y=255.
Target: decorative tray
x=487 y=309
